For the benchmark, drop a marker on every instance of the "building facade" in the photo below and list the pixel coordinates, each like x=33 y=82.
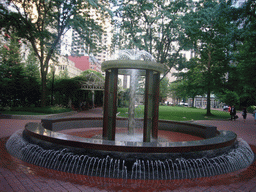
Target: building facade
x=86 y=62
x=65 y=65
x=201 y=102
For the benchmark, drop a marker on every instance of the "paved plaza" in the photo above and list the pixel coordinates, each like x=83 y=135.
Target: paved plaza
x=16 y=175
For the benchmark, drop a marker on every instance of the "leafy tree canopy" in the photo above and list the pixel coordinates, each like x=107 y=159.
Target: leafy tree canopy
x=42 y=23
x=209 y=28
x=153 y=26
x=17 y=88
x=244 y=50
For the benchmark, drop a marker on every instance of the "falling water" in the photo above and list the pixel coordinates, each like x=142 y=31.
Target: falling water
x=132 y=100
x=180 y=168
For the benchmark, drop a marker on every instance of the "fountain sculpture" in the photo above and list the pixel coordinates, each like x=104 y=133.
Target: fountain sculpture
x=148 y=158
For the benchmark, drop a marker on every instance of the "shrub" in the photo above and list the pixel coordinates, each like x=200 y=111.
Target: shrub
x=251 y=109
x=46 y=110
x=6 y=108
x=231 y=98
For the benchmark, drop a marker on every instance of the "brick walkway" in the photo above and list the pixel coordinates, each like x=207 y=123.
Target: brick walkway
x=16 y=175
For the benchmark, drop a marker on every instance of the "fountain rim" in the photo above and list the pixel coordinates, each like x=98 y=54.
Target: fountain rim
x=133 y=64
x=221 y=140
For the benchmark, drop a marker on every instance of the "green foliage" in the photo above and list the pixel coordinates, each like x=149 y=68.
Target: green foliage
x=208 y=27
x=33 y=77
x=40 y=110
x=32 y=66
x=242 y=66
x=21 y=113
x=63 y=74
x=123 y=98
x=177 y=90
x=85 y=74
x=154 y=27
x=67 y=90
x=14 y=84
x=164 y=89
x=49 y=20
x=189 y=83
x=250 y=109
x=231 y=98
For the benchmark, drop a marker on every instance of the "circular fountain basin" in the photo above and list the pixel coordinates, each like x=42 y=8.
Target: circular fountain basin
x=214 y=140
x=219 y=152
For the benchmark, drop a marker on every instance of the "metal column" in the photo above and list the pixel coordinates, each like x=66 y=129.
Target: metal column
x=109 y=119
x=156 y=81
x=148 y=111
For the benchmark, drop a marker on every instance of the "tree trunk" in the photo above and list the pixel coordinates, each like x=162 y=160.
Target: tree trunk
x=208 y=113
x=193 y=100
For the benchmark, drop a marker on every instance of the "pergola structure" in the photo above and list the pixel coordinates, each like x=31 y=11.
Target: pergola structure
x=145 y=67
x=93 y=83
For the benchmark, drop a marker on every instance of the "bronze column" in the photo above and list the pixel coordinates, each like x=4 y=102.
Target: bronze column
x=148 y=111
x=109 y=119
x=156 y=83
x=105 y=114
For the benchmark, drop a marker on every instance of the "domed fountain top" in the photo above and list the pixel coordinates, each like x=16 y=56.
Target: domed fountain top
x=133 y=59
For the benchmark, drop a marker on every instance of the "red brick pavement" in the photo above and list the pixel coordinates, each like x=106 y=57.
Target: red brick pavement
x=16 y=175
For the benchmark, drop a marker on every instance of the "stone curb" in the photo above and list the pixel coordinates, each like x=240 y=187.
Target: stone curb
x=36 y=117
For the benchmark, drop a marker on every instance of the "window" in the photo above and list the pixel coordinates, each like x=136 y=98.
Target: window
x=62 y=67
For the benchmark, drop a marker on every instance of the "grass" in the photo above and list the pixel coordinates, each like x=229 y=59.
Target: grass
x=165 y=112
x=178 y=113
x=35 y=110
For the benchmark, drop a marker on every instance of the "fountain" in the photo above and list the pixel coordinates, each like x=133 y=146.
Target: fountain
x=145 y=157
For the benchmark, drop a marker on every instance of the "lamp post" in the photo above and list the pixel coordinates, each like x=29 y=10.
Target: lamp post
x=53 y=73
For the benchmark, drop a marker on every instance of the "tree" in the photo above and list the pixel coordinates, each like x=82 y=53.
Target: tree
x=209 y=28
x=12 y=76
x=32 y=66
x=153 y=26
x=164 y=89
x=65 y=90
x=231 y=98
x=241 y=70
x=191 y=80
x=68 y=90
x=243 y=73
x=42 y=23
x=177 y=91
x=64 y=74
x=32 y=73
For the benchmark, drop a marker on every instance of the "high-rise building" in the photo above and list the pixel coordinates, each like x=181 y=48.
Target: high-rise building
x=80 y=48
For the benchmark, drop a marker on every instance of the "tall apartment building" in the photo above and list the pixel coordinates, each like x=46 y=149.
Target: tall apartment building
x=79 y=48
